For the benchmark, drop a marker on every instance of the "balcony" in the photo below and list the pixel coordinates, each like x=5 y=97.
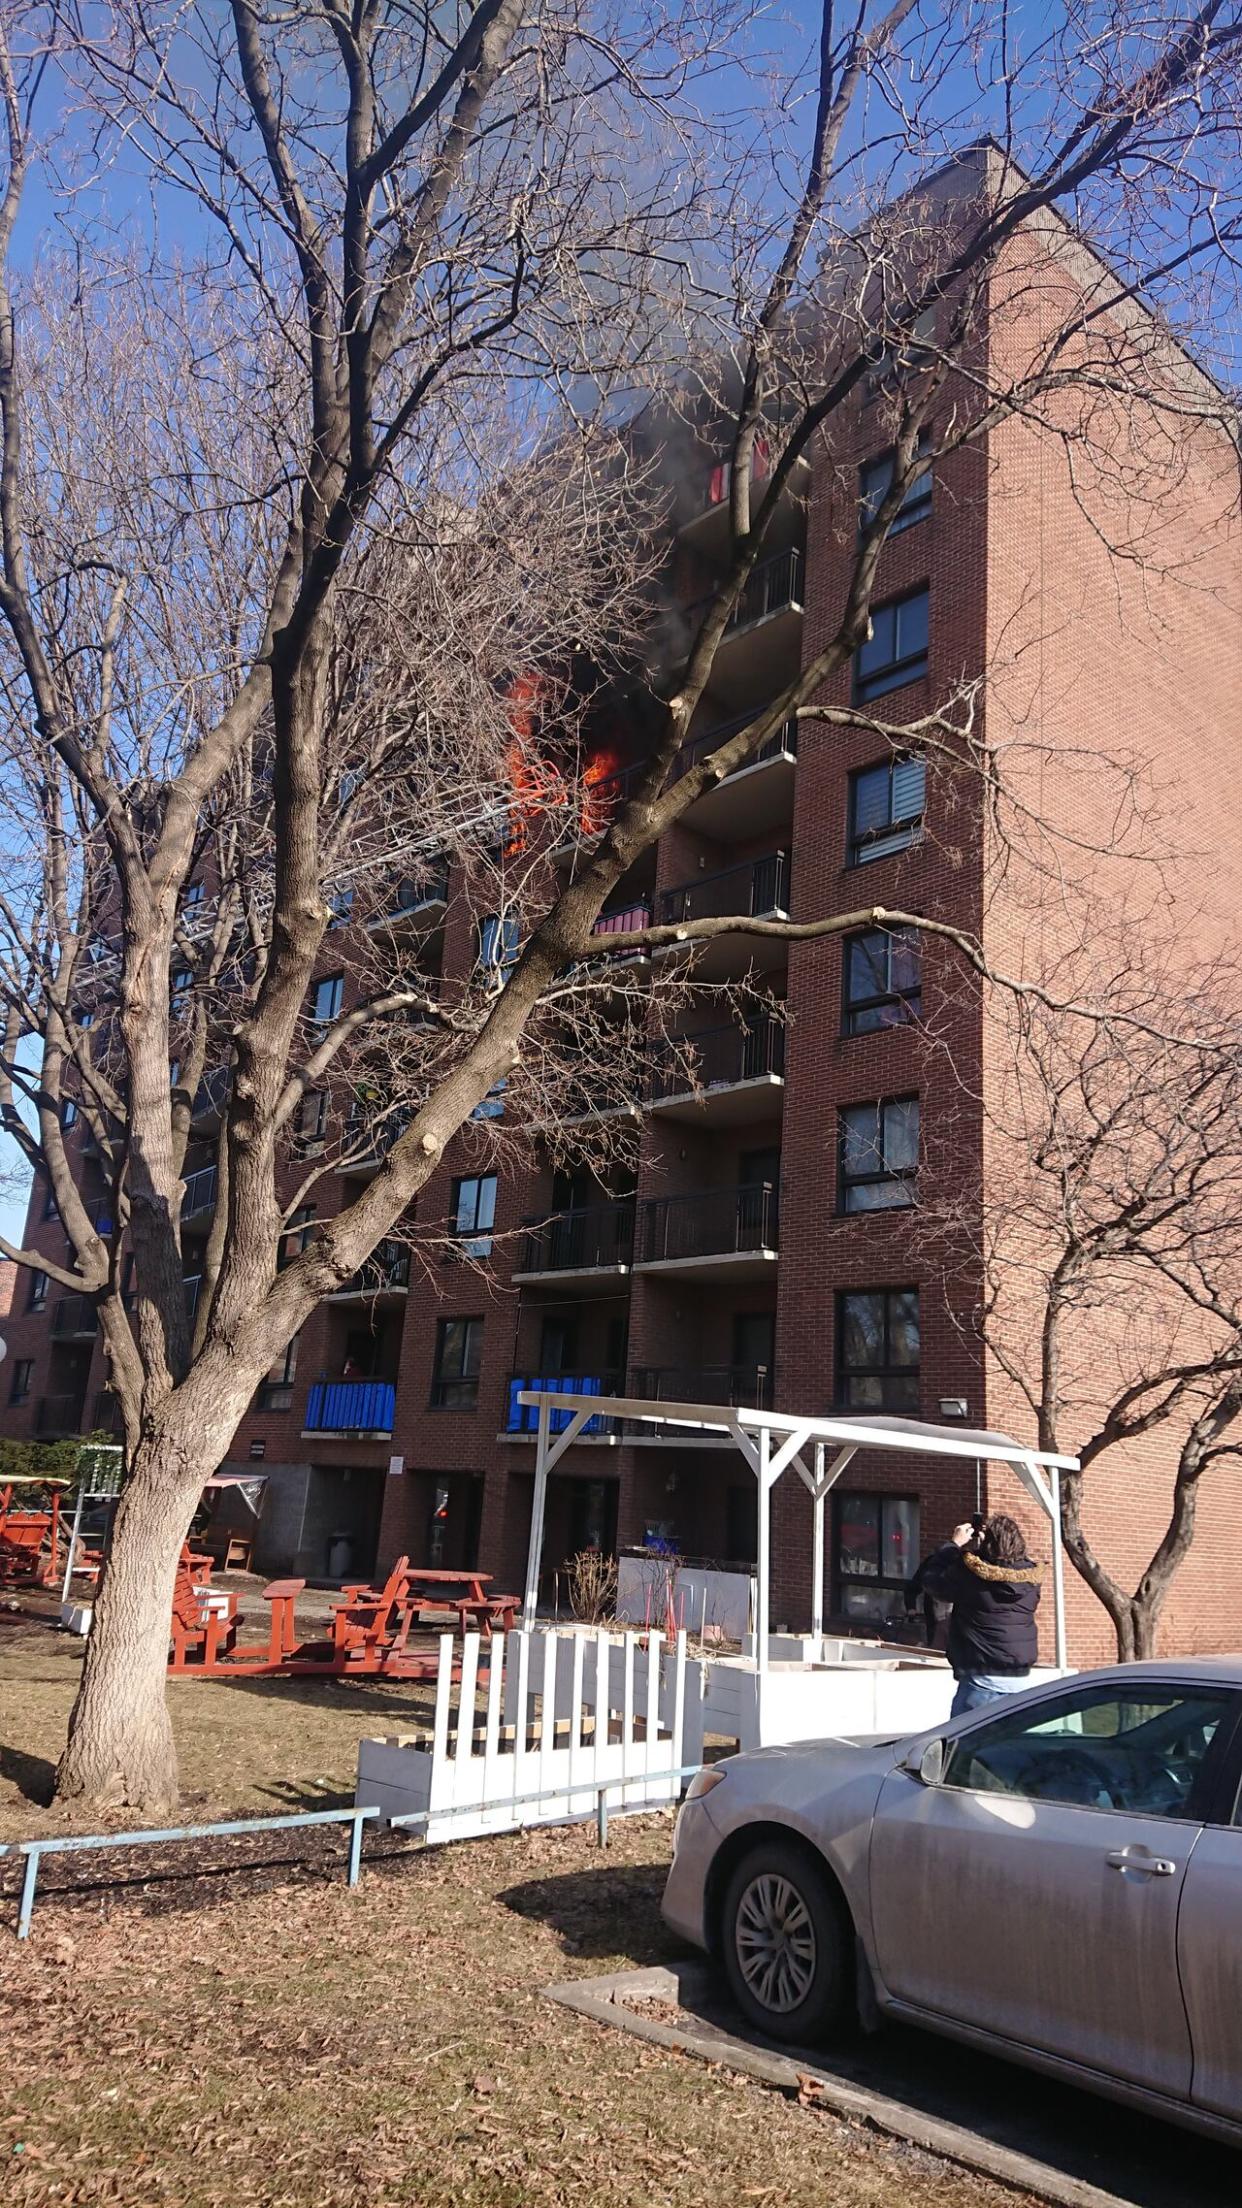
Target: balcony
x=106 y=1418
x=522 y=1419
x=57 y=1416
x=418 y=902
x=758 y=889
x=761 y=647
x=198 y=1194
x=210 y=1097
x=739 y=1074
x=385 y=1273
x=750 y=1386
x=722 y=1234
x=755 y=799
x=706 y=524
x=620 y=921
x=363 y=1409
x=598 y=800
x=594 y=1244
x=368 y=1140
x=75 y=1319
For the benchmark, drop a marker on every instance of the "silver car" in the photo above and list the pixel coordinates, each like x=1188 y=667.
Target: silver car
x=1057 y=1878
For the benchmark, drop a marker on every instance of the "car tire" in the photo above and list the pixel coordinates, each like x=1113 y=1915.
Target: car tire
x=787 y=1945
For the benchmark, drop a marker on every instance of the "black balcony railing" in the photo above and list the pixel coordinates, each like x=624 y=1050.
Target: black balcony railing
x=198 y=1193
x=594 y=1237
x=413 y=893
x=106 y=1418
x=59 y=1414
x=387 y=1267
x=74 y=1315
x=748 y=1385
x=523 y=1418
x=756 y=886
x=784 y=740
x=369 y=1136
x=211 y=1095
x=716 y=1058
x=774 y=586
x=716 y=1223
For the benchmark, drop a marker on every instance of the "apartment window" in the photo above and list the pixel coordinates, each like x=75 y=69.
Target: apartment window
x=879 y=1154
x=896 y=650
x=327 y=998
x=873 y=481
x=296 y=1236
x=906 y=354
x=194 y=894
x=276 y=1393
x=878 y=1349
x=340 y=905
x=882 y=975
x=38 y=1291
x=474 y=1213
x=68 y=1113
x=493 y=1104
x=51 y=1209
x=459 y=1354
x=875 y=1549
x=499 y=942
x=23 y=1374
x=180 y=987
x=886 y=809
x=313 y=1117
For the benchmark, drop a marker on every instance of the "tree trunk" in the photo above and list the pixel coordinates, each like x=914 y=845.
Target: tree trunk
x=120 y=1748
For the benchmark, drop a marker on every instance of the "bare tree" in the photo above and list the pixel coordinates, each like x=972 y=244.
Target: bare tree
x=280 y=522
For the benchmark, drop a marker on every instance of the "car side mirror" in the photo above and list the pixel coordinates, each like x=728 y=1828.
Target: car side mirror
x=926 y=1762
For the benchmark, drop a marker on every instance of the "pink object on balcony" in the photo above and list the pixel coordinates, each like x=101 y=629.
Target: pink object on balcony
x=620 y=923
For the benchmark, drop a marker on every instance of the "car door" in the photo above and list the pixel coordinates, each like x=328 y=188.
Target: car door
x=1034 y=1891
x=1209 y=1949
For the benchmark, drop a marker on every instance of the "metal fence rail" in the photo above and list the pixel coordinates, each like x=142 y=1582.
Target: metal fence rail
x=35 y=1850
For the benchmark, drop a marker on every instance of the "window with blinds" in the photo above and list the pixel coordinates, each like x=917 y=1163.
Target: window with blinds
x=886 y=808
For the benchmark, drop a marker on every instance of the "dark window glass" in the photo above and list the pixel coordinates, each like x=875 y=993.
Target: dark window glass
x=195 y=892
x=50 y=1206
x=873 y=483
x=886 y=809
x=180 y=995
x=340 y=905
x=38 y=1291
x=68 y=1113
x=474 y=1213
x=878 y=1349
x=23 y=1373
x=313 y=1116
x=328 y=995
x=459 y=1354
x=875 y=1549
x=896 y=650
x=500 y=940
x=493 y=1104
x=296 y=1236
x=879 y=1154
x=1141 y=1750
x=883 y=979
x=276 y=1393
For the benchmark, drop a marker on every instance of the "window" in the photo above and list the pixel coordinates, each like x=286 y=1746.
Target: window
x=499 y=942
x=474 y=1213
x=878 y=1350
x=896 y=650
x=23 y=1373
x=296 y=1236
x=875 y=1548
x=313 y=1117
x=276 y=1393
x=493 y=1104
x=1142 y=1750
x=340 y=905
x=906 y=354
x=886 y=809
x=180 y=996
x=459 y=1353
x=194 y=895
x=879 y=1154
x=873 y=482
x=51 y=1209
x=39 y=1285
x=68 y=1113
x=327 y=998
x=882 y=975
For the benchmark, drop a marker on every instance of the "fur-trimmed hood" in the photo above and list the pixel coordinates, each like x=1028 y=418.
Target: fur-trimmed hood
x=1009 y=1575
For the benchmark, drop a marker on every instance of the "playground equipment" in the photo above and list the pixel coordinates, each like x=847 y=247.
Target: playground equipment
x=29 y=1539
x=369 y=1634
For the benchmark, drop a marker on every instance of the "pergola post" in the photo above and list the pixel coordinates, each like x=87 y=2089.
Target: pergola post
x=819 y=1496
x=538 y=1504
x=763 y=1562
x=1058 y=1571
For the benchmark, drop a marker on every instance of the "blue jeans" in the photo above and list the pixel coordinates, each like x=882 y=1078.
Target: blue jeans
x=975 y=1689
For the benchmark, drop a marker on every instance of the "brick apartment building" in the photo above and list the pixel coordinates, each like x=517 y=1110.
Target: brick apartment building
x=765 y=1248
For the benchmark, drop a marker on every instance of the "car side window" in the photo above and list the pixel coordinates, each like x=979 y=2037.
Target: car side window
x=1141 y=1751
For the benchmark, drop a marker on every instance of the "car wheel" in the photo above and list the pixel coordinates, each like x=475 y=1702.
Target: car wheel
x=787 y=1943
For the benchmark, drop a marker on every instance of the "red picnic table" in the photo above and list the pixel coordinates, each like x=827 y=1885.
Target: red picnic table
x=442 y=1595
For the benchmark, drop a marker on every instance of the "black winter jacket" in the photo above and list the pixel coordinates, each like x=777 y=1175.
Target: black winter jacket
x=993 y=1623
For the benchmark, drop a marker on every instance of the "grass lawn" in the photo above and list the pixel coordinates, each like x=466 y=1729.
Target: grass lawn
x=270 y=2037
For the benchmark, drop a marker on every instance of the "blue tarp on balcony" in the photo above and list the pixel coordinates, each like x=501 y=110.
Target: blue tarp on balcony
x=351 y=1406
x=524 y=1417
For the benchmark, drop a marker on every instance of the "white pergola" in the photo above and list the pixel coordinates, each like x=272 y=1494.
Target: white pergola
x=817 y=1449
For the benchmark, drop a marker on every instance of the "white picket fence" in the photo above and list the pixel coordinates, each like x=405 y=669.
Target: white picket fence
x=561 y=1711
